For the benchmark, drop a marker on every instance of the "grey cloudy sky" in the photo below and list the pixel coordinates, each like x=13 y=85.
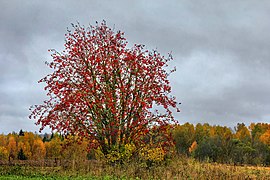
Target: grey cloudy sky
x=221 y=50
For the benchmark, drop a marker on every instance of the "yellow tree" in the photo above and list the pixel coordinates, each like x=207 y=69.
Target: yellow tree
x=53 y=148
x=3 y=147
x=257 y=130
x=38 y=150
x=3 y=153
x=27 y=150
x=3 y=140
x=265 y=137
x=32 y=144
x=29 y=137
x=242 y=133
x=74 y=151
x=12 y=147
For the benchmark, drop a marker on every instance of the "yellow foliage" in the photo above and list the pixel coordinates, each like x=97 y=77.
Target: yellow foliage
x=3 y=153
x=265 y=137
x=156 y=154
x=38 y=149
x=12 y=147
x=129 y=150
x=53 y=148
x=29 y=137
x=3 y=140
x=98 y=154
x=123 y=154
x=113 y=156
x=242 y=133
x=74 y=149
x=27 y=150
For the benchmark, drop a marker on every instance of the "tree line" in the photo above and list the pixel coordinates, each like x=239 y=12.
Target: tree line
x=241 y=145
x=32 y=146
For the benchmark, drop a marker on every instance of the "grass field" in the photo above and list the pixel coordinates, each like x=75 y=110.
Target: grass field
x=179 y=168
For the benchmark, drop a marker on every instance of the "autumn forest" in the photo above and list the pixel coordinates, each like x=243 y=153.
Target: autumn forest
x=241 y=145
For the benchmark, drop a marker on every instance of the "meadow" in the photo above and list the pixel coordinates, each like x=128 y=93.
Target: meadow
x=178 y=168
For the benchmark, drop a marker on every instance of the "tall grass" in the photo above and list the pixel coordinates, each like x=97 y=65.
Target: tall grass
x=178 y=168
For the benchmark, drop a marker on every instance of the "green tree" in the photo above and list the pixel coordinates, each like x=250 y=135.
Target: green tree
x=202 y=132
x=209 y=149
x=242 y=153
x=184 y=136
x=21 y=133
x=21 y=155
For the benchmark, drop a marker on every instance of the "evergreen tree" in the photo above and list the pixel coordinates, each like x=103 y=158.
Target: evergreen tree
x=21 y=133
x=21 y=155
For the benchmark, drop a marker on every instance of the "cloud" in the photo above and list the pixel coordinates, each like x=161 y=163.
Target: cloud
x=221 y=51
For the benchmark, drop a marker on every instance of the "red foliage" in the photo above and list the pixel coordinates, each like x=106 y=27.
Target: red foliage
x=102 y=90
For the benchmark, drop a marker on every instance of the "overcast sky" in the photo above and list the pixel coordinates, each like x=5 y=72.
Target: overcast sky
x=221 y=50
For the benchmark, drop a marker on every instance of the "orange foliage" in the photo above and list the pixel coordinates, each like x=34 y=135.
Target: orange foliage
x=12 y=147
x=53 y=148
x=265 y=137
x=186 y=136
x=192 y=147
x=38 y=150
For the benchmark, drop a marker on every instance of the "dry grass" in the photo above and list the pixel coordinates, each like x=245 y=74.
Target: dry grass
x=178 y=168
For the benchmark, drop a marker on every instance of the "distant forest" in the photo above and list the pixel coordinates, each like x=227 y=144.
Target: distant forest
x=243 y=145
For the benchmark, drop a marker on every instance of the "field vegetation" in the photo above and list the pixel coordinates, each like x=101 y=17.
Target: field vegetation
x=178 y=168
x=200 y=152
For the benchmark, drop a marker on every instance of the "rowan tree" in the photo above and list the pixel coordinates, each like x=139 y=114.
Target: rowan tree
x=103 y=90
